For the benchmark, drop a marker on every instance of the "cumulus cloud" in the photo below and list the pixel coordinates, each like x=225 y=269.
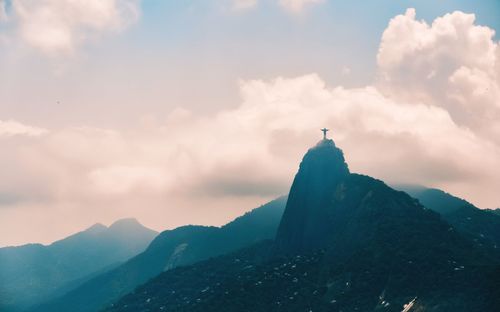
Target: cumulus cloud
x=191 y=164
x=452 y=63
x=296 y=6
x=12 y=127
x=185 y=168
x=414 y=142
x=59 y=26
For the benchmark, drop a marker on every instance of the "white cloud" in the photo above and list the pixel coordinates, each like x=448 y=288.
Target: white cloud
x=12 y=128
x=207 y=169
x=297 y=6
x=59 y=26
x=183 y=171
x=451 y=63
x=412 y=142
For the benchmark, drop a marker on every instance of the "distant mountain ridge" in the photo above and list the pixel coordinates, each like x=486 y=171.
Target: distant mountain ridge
x=480 y=225
x=435 y=199
x=181 y=246
x=33 y=273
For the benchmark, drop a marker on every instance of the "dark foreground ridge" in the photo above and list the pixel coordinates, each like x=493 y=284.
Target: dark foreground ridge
x=346 y=242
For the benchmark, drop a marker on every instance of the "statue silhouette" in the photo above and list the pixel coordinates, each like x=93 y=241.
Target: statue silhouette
x=324 y=130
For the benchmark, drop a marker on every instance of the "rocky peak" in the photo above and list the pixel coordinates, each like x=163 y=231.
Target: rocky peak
x=305 y=223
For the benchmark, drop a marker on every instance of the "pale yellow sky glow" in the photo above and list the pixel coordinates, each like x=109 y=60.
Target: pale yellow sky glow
x=82 y=143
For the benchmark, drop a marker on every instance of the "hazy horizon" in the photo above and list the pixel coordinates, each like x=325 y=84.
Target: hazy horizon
x=195 y=112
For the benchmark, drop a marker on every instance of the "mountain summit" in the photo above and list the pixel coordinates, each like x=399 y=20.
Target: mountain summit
x=331 y=209
x=306 y=222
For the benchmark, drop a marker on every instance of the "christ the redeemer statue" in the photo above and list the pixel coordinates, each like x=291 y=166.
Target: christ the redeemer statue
x=324 y=130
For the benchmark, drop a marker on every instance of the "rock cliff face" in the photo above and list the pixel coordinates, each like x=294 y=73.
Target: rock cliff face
x=306 y=223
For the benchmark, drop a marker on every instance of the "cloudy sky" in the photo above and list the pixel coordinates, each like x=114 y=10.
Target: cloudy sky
x=194 y=111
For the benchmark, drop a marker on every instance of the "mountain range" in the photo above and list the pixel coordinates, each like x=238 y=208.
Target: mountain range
x=181 y=246
x=34 y=273
x=339 y=242
x=346 y=242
